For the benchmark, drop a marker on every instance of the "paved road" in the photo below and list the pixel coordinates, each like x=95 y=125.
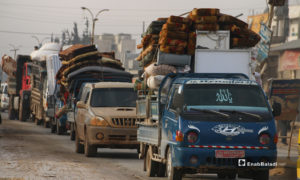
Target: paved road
x=32 y=152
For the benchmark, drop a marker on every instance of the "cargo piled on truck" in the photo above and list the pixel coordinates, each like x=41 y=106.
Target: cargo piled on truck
x=45 y=64
x=177 y=36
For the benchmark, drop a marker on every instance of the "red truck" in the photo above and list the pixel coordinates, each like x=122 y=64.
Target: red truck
x=19 y=89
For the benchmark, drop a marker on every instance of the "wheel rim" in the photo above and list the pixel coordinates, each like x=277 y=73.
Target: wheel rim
x=169 y=164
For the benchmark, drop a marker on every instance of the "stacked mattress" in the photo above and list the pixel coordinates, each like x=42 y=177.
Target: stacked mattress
x=85 y=61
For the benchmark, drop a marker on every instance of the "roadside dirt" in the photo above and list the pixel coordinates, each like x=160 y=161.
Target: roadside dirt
x=30 y=153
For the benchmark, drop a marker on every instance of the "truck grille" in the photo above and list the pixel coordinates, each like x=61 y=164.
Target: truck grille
x=124 y=122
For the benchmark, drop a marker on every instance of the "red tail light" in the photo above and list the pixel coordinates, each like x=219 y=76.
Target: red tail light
x=179 y=136
x=264 y=139
x=276 y=138
x=192 y=137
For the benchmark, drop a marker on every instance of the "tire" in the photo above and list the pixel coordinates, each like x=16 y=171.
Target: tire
x=72 y=133
x=46 y=124
x=172 y=172
x=161 y=172
x=261 y=175
x=53 y=128
x=21 y=112
x=89 y=150
x=37 y=121
x=151 y=166
x=59 y=129
x=79 y=148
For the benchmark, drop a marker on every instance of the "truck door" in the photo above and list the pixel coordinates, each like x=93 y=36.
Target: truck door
x=170 y=117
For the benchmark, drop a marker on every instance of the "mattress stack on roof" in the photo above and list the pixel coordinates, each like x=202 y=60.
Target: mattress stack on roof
x=86 y=61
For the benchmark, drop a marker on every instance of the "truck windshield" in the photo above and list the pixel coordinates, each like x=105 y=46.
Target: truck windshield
x=223 y=95
x=113 y=97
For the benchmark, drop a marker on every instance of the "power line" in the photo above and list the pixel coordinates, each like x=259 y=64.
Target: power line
x=29 y=33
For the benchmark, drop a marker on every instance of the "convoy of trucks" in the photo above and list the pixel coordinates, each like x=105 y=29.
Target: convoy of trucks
x=197 y=107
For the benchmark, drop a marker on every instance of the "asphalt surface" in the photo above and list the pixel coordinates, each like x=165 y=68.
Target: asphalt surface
x=28 y=151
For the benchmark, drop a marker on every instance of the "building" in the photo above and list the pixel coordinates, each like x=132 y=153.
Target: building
x=124 y=47
x=284 y=56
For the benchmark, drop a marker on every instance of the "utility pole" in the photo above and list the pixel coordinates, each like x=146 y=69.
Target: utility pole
x=14 y=49
x=94 y=19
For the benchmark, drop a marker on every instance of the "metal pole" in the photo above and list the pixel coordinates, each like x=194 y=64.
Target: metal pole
x=94 y=19
x=93 y=31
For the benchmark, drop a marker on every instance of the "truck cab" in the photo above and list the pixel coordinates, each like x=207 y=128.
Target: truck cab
x=211 y=123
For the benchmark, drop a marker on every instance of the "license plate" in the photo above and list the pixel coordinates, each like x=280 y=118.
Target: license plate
x=229 y=153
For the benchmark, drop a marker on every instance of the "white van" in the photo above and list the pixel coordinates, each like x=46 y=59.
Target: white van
x=4 y=99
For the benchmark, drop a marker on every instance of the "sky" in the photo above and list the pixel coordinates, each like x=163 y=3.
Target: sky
x=20 y=20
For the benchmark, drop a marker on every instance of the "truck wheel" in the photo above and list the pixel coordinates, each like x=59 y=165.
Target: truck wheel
x=72 y=133
x=78 y=146
x=11 y=114
x=151 y=166
x=21 y=112
x=89 y=150
x=46 y=124
x=37 y=121
x=59 y=129
x=172 y=172
x=261 y=175
x=161 y=170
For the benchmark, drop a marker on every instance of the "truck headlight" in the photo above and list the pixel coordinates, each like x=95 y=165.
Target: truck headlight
x=98 y=121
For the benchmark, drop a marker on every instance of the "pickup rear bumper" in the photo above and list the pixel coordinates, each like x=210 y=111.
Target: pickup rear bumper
x=112 y=137
x=184 y=157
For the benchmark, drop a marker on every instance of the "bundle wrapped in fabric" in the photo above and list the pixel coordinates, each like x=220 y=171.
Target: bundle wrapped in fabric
x=163 y=69
x=149 y=49
x=154 y=27
x=172 y=42
x=178 y=19
x=229 y=20
x=150 y=57
x=175 y=27
x=139 y=85
x=191 y=43
x=172 y=49
x=205 y=12
x=207 y=27
x=174 y=35
x=153 y=82
x=206 y=20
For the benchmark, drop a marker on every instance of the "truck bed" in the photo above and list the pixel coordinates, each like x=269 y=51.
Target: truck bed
x=148 y=133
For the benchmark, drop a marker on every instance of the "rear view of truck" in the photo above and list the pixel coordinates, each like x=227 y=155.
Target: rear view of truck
x=19 y=86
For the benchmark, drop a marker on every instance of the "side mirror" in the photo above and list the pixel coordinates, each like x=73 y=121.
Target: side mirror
x=276 y=109
x=80 y=104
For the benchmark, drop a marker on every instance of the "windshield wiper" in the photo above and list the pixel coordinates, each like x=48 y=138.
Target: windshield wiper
x=211 y=112
x=244 y=113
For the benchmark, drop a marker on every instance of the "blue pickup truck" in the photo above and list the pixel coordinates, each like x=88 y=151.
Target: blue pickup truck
x=207 y=123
